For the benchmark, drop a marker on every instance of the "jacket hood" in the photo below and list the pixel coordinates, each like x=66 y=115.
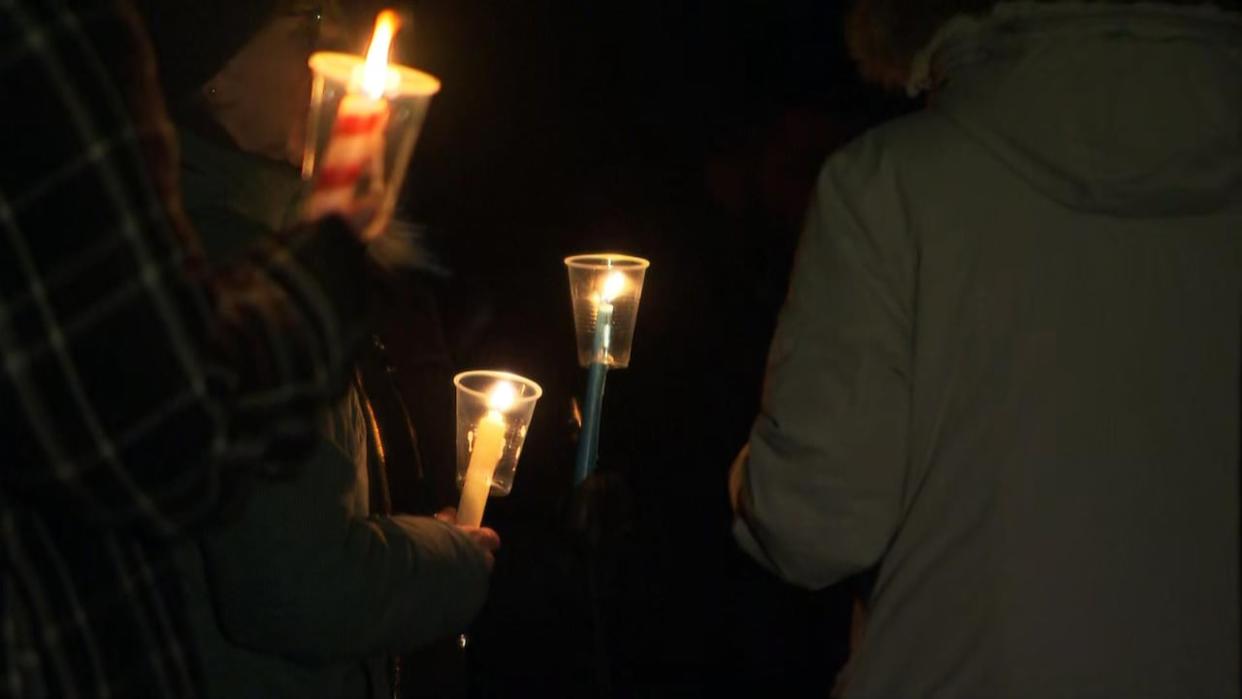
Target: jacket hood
x=1132 y=110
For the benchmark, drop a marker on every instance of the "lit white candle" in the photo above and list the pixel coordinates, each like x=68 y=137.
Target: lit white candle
x=487 y=450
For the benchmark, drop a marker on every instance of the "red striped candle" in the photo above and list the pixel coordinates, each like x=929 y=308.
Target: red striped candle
x=356 y=144
x=355 y=147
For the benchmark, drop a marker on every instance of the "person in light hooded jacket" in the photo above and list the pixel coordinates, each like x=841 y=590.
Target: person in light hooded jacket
x=1004 y=389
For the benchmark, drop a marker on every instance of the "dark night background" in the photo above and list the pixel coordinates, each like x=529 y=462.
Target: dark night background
x=689 y=133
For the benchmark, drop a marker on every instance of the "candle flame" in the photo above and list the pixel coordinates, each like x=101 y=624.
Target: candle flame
x=502 y=396
x=614 y=285
x=375 y=72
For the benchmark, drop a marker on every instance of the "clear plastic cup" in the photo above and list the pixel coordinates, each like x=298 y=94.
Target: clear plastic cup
x=507 y=400
x=406 y=98
x=606 y=290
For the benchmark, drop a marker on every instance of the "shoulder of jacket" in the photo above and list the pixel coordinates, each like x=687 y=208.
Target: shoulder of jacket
x=889 y=151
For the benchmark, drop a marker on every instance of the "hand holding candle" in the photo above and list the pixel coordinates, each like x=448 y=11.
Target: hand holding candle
x=486 y=539
x=493 y=412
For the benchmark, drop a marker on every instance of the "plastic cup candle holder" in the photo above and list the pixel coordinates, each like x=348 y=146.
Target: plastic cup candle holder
x=494 y=409
x=364 y=120
x=606 y=290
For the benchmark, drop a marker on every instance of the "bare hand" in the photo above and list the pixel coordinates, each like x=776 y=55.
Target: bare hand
x=361 y=213
x=484 y=537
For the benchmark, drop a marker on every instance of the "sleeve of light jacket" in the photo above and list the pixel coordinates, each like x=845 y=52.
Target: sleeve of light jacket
x=294 y=573
x=818 y=489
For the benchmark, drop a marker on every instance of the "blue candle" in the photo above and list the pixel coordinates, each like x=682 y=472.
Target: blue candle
x=597 y=372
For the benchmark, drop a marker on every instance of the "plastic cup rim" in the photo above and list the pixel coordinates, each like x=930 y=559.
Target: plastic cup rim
x=499 y=375
x=609 y=261
x=429 y=83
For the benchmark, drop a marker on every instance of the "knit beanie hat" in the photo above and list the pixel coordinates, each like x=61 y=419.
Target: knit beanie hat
x=194 y=39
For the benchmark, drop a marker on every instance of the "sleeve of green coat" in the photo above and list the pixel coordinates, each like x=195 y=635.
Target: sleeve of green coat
x=295 y=573
x=818 y=489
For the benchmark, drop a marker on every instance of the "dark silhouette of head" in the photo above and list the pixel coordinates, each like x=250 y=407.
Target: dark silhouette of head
x=885 y=35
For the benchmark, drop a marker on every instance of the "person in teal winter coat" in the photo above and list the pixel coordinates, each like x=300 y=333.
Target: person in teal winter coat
x=304 y=587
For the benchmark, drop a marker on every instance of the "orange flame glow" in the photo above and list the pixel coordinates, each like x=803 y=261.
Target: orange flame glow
x=614 y=285
x=502 y=396
x=375 y=73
